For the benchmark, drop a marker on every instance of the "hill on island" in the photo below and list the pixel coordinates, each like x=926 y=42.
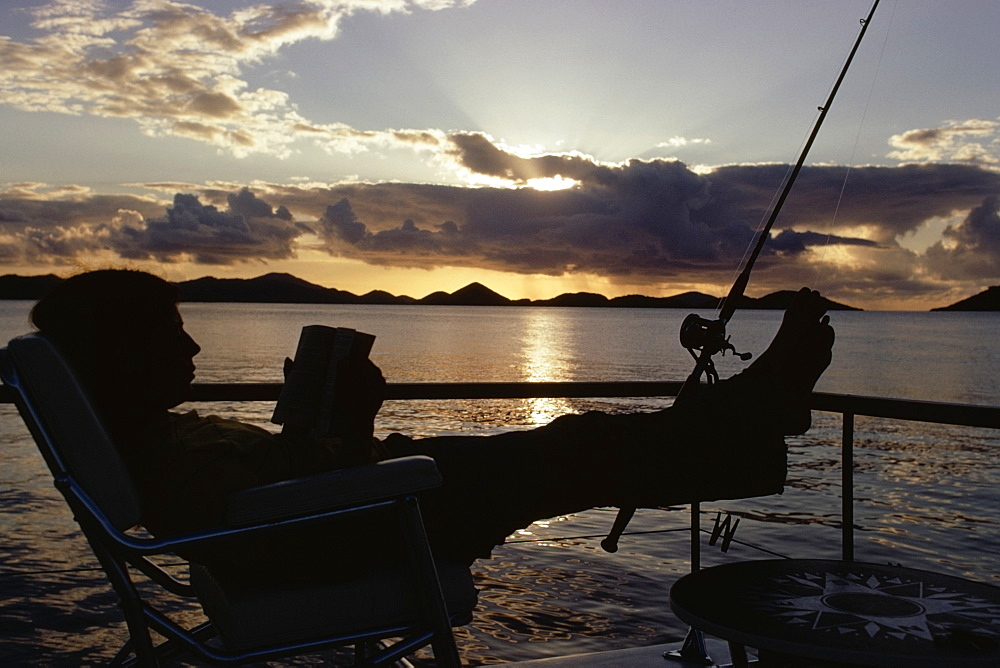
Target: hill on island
x=279 y=288
x=988 y=300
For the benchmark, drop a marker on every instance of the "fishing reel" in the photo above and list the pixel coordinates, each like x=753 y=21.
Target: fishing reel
x=704 y=338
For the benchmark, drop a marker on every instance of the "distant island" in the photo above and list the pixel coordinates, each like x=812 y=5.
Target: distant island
x=287 y=289
x=276 y=288
x=988 y=300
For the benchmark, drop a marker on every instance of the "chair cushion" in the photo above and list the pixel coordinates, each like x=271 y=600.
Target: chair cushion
x=74 y=432
x=253 y=615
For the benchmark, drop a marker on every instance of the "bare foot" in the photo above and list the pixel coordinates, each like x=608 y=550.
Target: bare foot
x=802 y=348
x=798 y=355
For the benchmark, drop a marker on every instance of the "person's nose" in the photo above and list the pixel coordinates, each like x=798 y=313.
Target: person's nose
x=191 y=346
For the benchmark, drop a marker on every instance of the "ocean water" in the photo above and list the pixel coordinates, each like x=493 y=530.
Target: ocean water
x=926 y=495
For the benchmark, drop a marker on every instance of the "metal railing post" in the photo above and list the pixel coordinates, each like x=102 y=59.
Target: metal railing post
x=847 y=488
x=695 y=536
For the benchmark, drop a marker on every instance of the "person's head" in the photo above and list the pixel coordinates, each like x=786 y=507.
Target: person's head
x=122 y=333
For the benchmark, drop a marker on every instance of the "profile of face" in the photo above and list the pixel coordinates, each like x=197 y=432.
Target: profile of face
x=167 y=361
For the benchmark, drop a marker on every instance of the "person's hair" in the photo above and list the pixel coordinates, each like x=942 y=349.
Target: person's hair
x=96 y=318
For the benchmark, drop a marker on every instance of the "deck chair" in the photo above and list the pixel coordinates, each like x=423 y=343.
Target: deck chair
x=386 y=614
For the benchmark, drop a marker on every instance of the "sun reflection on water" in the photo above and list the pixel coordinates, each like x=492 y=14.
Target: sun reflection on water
x=543 y=353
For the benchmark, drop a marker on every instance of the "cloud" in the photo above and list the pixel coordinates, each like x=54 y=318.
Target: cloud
x=654 y=222
x=887 y=202
x=969 y=250
x=206 y=235
x=650 y=221
x=178 y=69
x=481 y=155
x=678 y=141
x=973 y=141
x=64 y=230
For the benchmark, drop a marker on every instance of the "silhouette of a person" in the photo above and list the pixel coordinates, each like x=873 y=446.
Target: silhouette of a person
x=122 y=332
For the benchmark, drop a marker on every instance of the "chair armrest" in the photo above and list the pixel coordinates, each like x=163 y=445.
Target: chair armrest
x=334 y=490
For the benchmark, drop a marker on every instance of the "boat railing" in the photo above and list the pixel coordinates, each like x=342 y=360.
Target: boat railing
x=847 y=405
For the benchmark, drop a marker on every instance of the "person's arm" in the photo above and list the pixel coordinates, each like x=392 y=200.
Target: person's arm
x=193 y=464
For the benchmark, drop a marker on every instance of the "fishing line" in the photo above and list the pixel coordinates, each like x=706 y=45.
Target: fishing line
x=854 y=149
x=763 y=220
x=705 y=338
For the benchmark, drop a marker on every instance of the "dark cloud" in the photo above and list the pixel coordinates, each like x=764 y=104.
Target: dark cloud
x=650 y=221
x=971 y=249
x=245 y=203
x=135 y=229
x=981 y=230
x=248 y=231
x=790 y=241
x=87 y=209
x=632 y=219
x=477 y=153
x=340 y=224
x=890 y=201
x=12 y=216
x=406 y=244
x=639 y=222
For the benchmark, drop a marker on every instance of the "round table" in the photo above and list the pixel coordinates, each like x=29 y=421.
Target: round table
x=851 y=612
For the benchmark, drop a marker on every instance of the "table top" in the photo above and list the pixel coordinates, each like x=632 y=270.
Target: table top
x=855 y=612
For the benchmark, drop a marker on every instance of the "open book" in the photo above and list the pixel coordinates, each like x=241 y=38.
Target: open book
x=309 y=397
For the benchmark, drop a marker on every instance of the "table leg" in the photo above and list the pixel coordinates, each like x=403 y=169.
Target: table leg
x=738 y=653
x=693 y=650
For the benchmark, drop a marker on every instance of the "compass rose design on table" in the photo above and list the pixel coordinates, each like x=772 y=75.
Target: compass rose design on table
x=874 y=605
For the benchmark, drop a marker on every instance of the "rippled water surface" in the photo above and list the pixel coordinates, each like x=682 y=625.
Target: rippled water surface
x=926 y=495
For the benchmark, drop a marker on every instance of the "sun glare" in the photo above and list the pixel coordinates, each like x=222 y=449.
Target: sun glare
x=552 y=183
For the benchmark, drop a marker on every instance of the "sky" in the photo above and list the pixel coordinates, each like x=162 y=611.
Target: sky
x=537 y=146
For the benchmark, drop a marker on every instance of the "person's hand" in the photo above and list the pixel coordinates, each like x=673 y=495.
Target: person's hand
x=360 y=393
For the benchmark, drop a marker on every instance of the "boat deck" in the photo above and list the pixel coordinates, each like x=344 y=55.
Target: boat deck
x=638 y=657
x=65 y=614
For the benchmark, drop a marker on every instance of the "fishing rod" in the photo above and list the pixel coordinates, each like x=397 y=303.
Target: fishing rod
x=705 y=338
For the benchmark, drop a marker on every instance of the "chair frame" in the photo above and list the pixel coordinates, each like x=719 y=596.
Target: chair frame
x=121 y=551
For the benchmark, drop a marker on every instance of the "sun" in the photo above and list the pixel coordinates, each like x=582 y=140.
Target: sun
x=550 y=183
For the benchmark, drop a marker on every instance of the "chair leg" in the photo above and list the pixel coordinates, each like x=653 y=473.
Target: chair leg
x=738 y=653
x=446 y=651
x=145 y=651
x=443 y=642
x=366 y=649
x=361 y=653
x=139 y=642
x=122 y=657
